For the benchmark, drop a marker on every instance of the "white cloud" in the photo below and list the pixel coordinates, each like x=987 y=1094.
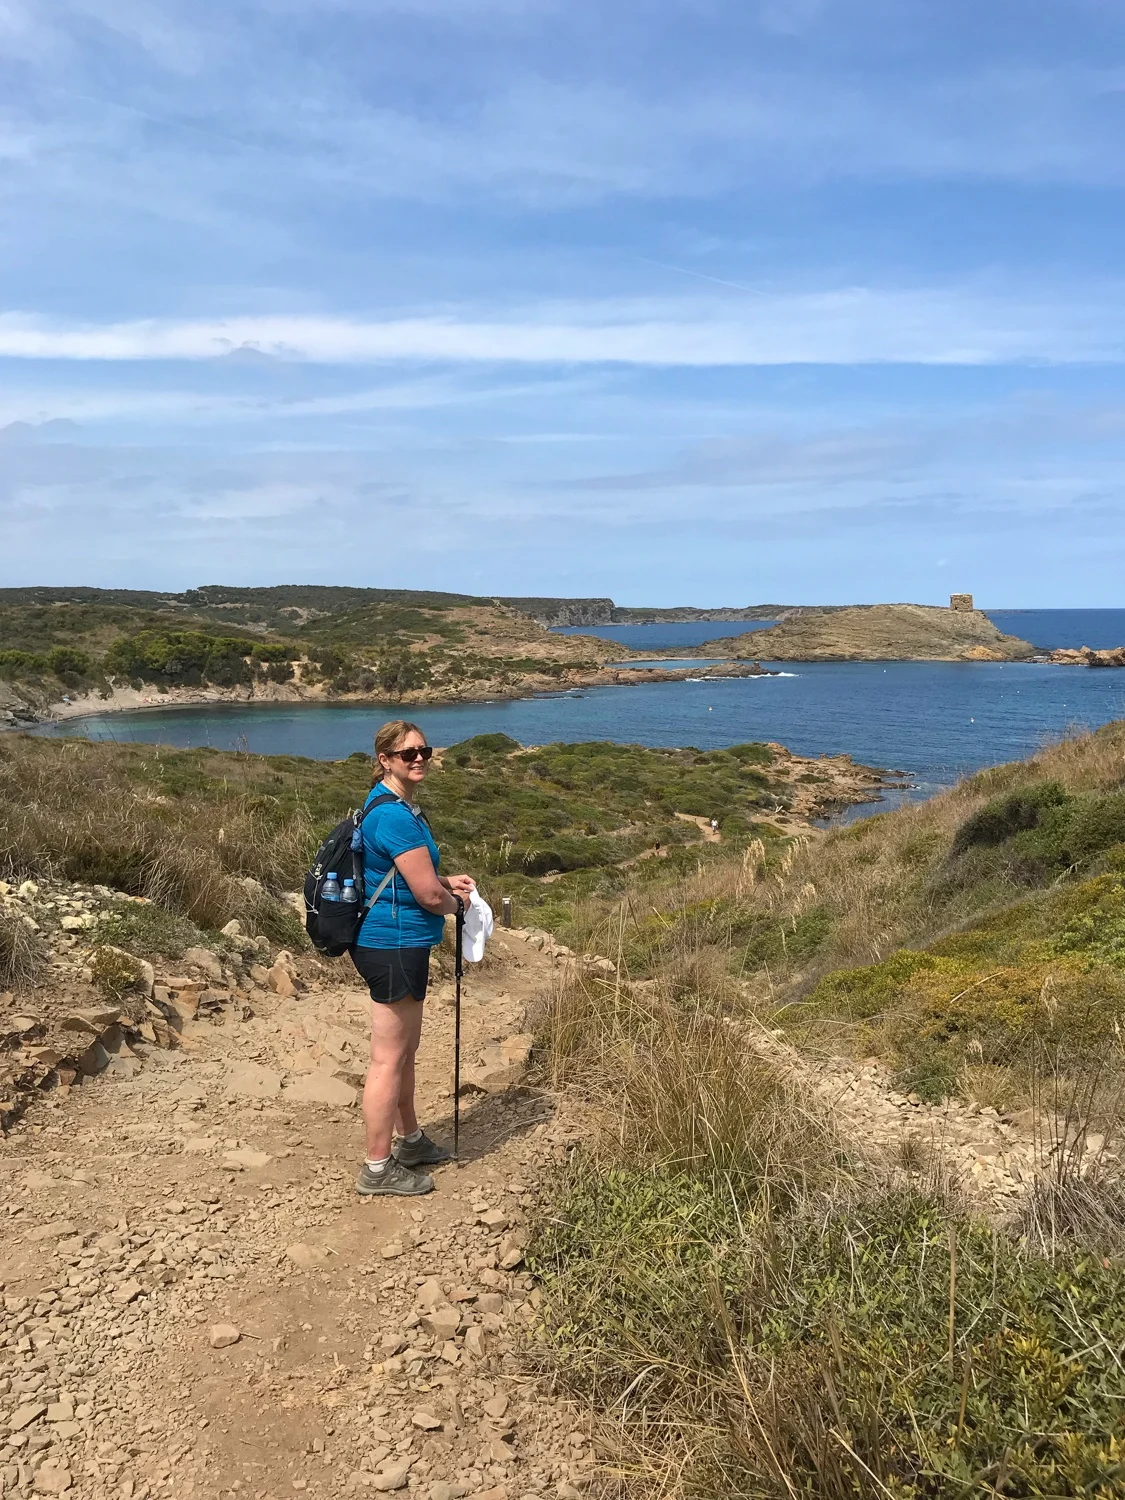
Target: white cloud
x=940 y=326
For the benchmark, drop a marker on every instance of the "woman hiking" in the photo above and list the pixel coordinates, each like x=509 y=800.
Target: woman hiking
x=392 y=953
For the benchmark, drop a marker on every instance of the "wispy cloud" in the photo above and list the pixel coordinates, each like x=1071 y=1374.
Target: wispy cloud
x=850 y=326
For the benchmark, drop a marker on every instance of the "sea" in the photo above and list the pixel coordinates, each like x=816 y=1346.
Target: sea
x=931 y=722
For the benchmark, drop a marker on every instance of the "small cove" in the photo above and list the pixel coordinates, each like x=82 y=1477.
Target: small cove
x=935 y=721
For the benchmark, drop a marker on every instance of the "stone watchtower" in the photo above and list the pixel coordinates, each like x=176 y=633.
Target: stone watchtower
x=961 y=601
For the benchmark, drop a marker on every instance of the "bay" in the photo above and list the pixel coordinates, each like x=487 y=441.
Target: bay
x=934 y=721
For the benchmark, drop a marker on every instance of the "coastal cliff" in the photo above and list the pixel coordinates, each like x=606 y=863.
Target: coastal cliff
x=878 y=632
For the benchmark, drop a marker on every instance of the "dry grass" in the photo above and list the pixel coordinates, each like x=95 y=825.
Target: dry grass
x=21 y=954
x=748 y=1310
x=69 y=811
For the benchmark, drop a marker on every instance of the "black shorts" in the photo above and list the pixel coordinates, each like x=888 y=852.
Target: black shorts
x=393 y=973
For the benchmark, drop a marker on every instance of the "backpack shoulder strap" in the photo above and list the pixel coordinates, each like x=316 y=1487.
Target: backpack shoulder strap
x=376 y=802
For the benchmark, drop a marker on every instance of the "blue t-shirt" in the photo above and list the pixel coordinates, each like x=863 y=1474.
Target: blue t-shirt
x=396 y=920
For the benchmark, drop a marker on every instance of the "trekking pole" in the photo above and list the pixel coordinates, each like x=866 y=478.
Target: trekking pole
x=457 y=971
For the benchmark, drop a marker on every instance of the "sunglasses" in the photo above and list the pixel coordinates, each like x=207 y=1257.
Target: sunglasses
x=413 y=753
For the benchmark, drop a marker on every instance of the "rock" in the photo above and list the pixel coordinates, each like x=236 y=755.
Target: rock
x=60 y=1411
x=126 y=1292
x=232 y=929
x=319 y=1088
x=51 y=1479
x=497 y=1492
x=476 y=1342
x=430 y=1295
x=517 y=1049
x=496 y=1407
x=250 y=1080
x=57 y=1230
x=424 y=1419
x=511 y=1254
x=74 y=923
x=203 y=958
x=306 y=1256
x=494 y=1219
x=393 y=1476
x=245 y=1158
x=199 y=1145
x=223 y=1335
x=23 y=1416
x=280 y=981
x=93 y=1018
x=94 y=1060
x=443 y=1322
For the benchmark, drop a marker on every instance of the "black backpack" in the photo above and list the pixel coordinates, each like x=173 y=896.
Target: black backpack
x=332 y=925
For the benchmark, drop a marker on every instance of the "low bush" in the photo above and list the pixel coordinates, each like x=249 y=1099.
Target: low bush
x=115 y=973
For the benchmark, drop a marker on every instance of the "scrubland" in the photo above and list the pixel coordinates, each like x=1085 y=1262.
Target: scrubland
x=753 y=1305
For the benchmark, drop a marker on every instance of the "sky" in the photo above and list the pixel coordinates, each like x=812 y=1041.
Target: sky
x=704 y=302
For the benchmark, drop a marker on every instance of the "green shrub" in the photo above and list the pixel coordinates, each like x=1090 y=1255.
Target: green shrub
x=115 y=973
x=1004 y=817
x=814 y=1355
x=21 y=664
x=149 y=930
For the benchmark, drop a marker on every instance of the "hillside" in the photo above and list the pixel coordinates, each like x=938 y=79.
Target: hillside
x=100 y=649
x=877 y=632
x=814 y=1182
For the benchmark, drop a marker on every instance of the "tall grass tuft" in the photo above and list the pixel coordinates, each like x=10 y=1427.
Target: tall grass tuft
x=21 y=954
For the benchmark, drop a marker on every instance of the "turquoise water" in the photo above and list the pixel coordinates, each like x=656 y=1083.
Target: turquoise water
x=932 y=720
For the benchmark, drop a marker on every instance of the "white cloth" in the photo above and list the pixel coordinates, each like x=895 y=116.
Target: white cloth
x=477 y=929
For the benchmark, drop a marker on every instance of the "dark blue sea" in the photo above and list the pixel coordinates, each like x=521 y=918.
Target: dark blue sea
x=933 y=721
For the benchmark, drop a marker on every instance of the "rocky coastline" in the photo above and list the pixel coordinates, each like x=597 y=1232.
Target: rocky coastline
x=18 y=714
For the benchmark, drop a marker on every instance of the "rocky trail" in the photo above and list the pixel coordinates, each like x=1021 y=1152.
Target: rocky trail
x=196 y=1303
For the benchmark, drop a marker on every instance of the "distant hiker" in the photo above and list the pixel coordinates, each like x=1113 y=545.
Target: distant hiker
x=714 y=827
x=392 y=953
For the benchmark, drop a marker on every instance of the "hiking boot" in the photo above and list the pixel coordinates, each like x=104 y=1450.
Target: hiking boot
x=421 y=1153
x=394 y=1180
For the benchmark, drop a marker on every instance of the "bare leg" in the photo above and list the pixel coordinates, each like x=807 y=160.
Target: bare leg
x=395 y=1030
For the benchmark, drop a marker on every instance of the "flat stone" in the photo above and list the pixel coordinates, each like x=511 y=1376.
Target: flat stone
x=60 y=1411
x=424 y=1419
x=23 y=1416
x=494 y=1218
x=496 y=1406
x=246 y=1158
x=56 y=1231
x=93 y=1019
x=306 y=1255
x=319 y=1088
x=223 y=1335
x=125 y=1293
x=393 y=1477
x=199 y=1145
x=252 y=1080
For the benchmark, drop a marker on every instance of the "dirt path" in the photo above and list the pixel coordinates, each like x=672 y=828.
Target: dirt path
x=196 y=1304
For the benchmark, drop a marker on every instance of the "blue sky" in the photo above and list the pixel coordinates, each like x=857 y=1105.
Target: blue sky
x=688 y=301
